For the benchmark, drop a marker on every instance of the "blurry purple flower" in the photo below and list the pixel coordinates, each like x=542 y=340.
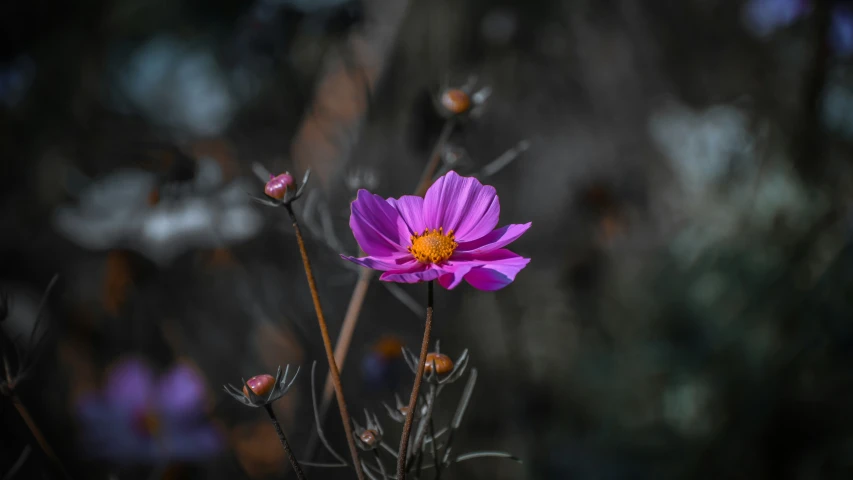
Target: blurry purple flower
x=140 y=419
x=383 y=368
x=763 y=17
x=841 y=30
x=447 y=236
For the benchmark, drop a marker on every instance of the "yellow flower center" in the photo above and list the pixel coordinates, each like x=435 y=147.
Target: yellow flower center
x=433 y=246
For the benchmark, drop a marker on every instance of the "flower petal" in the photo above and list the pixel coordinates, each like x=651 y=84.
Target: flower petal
x=411 y=209
x=461 y=204
x=498 y=270
x=399 y=262
x=453 y=275
x=130 y=385
x=377 y=226
x=421 y=272
x=181 y=391
x=496 y=239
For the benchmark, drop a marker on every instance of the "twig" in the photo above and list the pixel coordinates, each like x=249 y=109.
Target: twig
x=18 y=464
x=327 y=343
x=413 y=400
x=293 y=462
x=435 y=158
x=317 y=420
x=434 y=451
x=379 y=462
x=460 y=411
x=31 y=424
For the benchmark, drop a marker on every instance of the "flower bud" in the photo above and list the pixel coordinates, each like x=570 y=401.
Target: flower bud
x=277 y=187
x=261 y=385
x=443 y=363
x=456 y=101
x=370 y=437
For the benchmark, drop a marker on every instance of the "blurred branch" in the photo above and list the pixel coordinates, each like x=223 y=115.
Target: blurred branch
x=18 y=464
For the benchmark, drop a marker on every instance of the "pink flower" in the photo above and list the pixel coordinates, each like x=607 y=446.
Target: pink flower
x=448 y=235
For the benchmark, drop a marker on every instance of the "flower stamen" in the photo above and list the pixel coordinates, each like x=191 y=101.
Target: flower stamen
x=433 y=246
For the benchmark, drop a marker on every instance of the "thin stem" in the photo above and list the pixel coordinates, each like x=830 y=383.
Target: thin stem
x=379 y=462
x=413 y=400
x=31 y=424
x=327 y=343
x=293 y=462
x=422 y=427
x=348 y=328
x=434 y=451
x=366 y=275
x=435 y=158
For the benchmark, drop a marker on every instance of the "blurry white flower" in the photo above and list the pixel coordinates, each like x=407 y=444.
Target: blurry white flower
x=178 y=85
x=723 y=189
x=115 y=212
x=701 y=146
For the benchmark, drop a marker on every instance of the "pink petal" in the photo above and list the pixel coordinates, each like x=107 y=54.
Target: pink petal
x=181 y=391
x=398 y=262
x=498 y=269
x=411 y=208
x=130 y=384
x=461 y=204
x=419 y=273
x=496 y=239
x=377 y=226
x=453 y=275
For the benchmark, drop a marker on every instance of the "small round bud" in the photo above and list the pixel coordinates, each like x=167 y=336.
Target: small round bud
x=261 y=385
x=277 y=186
x=443 y=363
x=456 y=101
x=370 y=437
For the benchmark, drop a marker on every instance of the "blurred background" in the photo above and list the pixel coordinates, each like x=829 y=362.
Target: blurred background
x=686 y=166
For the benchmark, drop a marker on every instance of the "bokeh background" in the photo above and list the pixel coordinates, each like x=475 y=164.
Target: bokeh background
x=686 y=166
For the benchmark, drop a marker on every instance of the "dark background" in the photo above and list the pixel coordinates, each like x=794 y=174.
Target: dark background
x=686 y=313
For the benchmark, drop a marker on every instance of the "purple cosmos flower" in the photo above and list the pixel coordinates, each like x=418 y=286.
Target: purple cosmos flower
x=448 y=235
x=138 y=419
x=764 y=17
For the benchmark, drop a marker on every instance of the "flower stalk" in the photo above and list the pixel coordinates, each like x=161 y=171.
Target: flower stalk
x=327 y=343
x=419 y=375
x=293 y=462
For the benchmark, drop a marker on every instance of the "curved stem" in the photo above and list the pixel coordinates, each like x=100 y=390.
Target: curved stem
x=413 y=400
x=31 y=424
x=293 y=462
x=379 y=462
x=434 y=451
x=327 y=343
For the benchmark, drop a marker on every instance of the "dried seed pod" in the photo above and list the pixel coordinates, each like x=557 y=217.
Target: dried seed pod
x=370 y=437
x=261 y=385
x=277 y=186
x=443 y=363
x=455 y=101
